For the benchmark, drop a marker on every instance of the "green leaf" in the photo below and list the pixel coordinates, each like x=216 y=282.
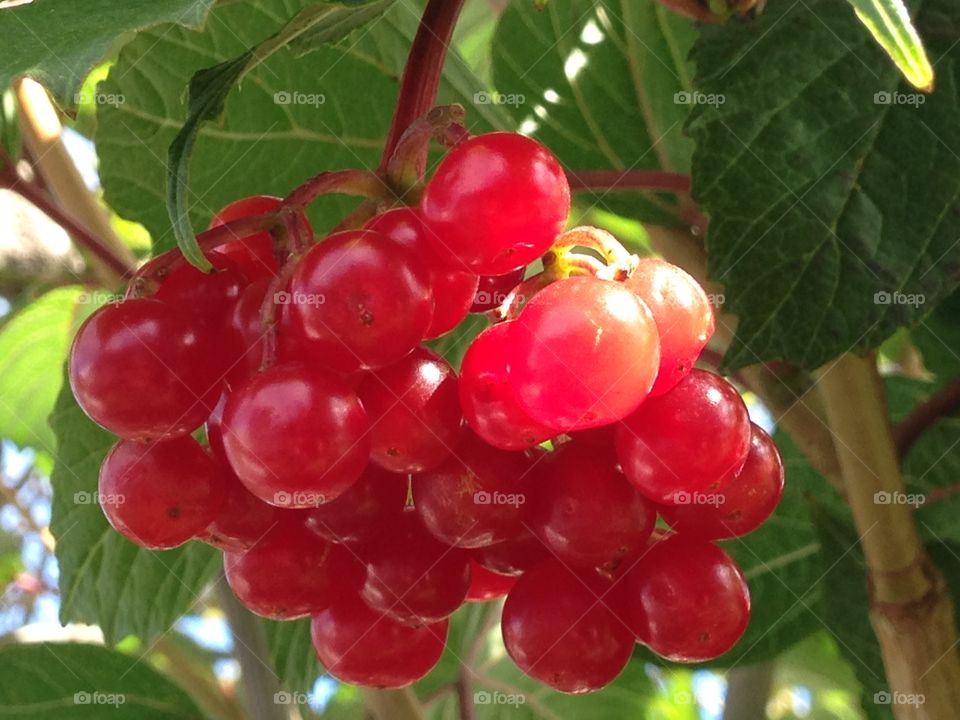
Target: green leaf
x=931 y=471
x=105 y=579
x=603 y=85
x=208 y=90
x=294 y=659
x=33 y=347
x=844 y=612
x=289 y=119
x=55 y=681
x=889 y=23
x=58 y=41
x=833 y=192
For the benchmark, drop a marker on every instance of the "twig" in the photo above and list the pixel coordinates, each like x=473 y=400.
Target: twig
x=943 y=402
x=116 y=263
x=42 y=135
x=421 y=75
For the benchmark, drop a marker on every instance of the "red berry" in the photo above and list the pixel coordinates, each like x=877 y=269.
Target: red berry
x=454 y=286
x=285 y=575
x=585 y=510
x=245 y=332
x=368 y=508
x=496 y=202
x=294 y=437
x=682 y=312
x=360 y=300
x=477 y=497
x=558 y=629
x=414 y=412
x=489 y=404
x=486 y=585
x=242 y=521
x=160 y=494
x=686 y=599
x=582 y=353
x=492 y=290
x=359 y=646
x=209 y=296
x=687 y=440
x=411 y=576
x=145 y=370
x=514 y=556
x=741 y=504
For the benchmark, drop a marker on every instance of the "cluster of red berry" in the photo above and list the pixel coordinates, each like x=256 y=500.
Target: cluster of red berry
x=351 y=476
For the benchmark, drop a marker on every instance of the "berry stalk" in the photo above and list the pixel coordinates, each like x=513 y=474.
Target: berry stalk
x=421 y=75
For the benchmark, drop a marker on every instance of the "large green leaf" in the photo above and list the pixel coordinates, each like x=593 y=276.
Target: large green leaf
x=60 y=681
x=33 y=347
x=289 y=119
x=833 y=189
x=605 y=85
x=315 y=25
x=931 y=471
x=845 y=611
x=58 y=41
x=105 y=579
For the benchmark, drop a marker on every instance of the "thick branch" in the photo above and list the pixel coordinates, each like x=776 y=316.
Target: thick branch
x=421 y=75
x=250 y=647
x=911 y=611
x=748 y=690
x=925 y=415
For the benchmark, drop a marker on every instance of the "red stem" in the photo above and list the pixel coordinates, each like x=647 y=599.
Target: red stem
x=360 y=183
x=421 y=76
x=652 y=180
x=146 y=280
x=83 y=237
x=925 y=415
